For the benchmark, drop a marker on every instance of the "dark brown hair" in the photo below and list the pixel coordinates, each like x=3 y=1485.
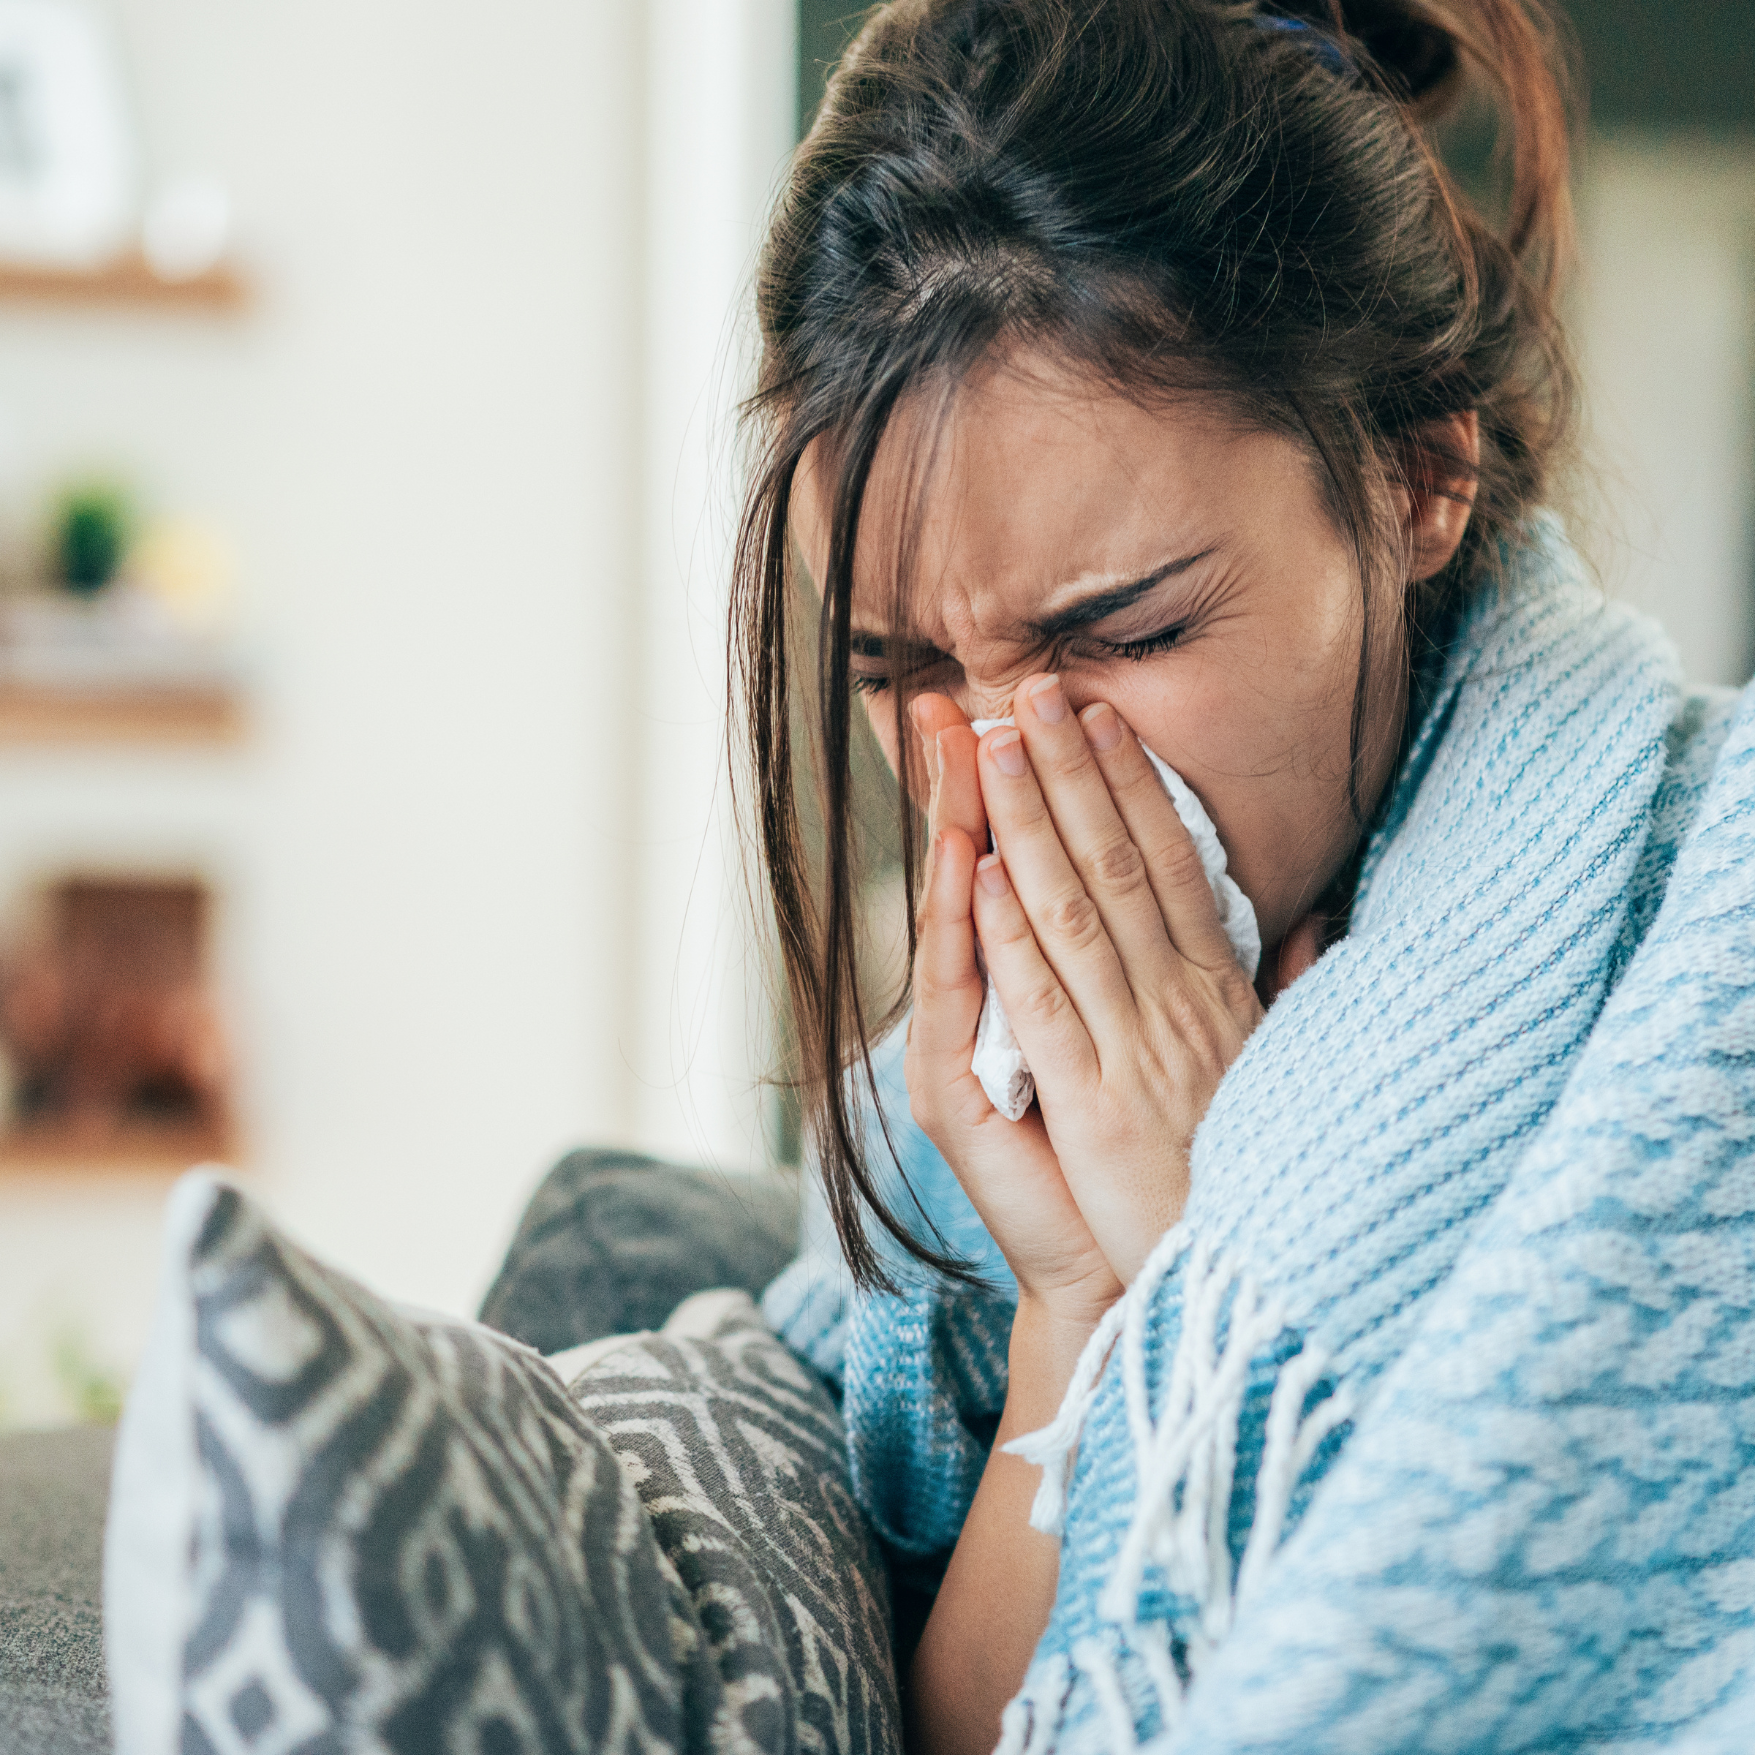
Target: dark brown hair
x=1171 y=196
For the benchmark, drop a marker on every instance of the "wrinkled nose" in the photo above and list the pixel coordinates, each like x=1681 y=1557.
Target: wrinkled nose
x=985 y=703
x=986 y=690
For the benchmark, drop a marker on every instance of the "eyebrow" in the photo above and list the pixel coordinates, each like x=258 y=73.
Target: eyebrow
x=1105 y=601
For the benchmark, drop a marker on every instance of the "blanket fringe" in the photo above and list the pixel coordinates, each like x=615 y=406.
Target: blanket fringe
x=1034 y=1722
x=1185 y=1463
x=1031 y=1717
x=1099 y=1664
x=1053 y=1448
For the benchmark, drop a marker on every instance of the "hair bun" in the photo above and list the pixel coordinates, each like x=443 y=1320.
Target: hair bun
x=1406 y=41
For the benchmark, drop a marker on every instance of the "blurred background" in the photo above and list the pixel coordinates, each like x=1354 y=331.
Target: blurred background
x=366 y=473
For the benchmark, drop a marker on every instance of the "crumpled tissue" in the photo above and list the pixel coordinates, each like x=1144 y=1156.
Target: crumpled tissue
x=998 y=1062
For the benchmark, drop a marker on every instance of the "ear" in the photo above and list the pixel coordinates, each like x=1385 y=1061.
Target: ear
x=1442 y=464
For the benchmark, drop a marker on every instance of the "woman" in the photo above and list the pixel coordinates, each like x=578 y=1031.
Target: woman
x=1134 y=372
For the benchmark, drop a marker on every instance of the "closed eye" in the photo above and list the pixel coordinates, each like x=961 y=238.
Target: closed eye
x=876 y=660
x=1147 y=646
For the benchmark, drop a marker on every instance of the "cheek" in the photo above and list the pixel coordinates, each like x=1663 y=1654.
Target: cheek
x=1239 y=727
x=1264 y=738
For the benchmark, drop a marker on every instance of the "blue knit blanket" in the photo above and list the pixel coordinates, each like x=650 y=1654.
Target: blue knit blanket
x=1431 y=1426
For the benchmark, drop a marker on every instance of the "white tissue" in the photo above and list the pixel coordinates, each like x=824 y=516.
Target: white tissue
x=998 y=1061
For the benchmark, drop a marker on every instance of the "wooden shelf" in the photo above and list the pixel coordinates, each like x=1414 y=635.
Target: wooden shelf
x=184 y=714
x=46 y=1149
x=126 y=281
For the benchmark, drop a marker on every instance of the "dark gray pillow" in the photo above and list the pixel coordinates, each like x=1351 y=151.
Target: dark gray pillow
x=338 y=1524
x=613 y=1241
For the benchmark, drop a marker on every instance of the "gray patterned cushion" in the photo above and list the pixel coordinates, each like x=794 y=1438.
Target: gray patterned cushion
x=338 y=1525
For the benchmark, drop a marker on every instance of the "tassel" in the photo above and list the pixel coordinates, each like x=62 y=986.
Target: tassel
x=1032 y=1717
x=1291 y=1442
x=1014 y=1727
x=1192 y=1445
x=1053 y=1447
x=1185 y=1463
x=1098 y=1663
x=1153 y=1643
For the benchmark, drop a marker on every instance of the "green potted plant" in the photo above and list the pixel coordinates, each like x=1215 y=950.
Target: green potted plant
x=90 y=530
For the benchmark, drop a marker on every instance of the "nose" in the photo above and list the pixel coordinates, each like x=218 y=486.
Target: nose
x=985 y=691
x=991 y=698
x=985 y=703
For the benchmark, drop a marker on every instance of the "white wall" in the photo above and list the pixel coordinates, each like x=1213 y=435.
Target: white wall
x=718 y=130
x=457 y=855
x=473 y=447
x=1666 y=338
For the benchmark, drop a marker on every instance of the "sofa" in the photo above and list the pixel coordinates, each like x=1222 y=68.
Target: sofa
x=611 y=1242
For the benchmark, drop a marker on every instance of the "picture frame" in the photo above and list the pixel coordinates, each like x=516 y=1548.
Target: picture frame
x=67 y=154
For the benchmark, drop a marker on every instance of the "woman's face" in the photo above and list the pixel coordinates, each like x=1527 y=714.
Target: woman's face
x=1161 y=560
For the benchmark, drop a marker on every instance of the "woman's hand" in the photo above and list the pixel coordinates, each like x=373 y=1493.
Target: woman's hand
x=1008 y=1169
x=1100 y=932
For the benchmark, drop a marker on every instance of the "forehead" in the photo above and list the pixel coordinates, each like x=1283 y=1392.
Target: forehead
x=1022 y=485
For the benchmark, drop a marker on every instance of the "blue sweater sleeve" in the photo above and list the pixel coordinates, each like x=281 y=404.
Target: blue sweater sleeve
x=814 y=1300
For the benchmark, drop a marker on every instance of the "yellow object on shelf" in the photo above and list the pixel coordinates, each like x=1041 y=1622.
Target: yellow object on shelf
x=189 y=569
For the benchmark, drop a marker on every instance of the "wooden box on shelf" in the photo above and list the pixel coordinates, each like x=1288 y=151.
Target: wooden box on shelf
x=118 y=1056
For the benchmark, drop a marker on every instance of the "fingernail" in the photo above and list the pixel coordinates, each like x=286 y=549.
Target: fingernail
x=1102 y=726
x=1049 y=702
x=1007 y=750
x=938 y=756
x=914 y=707
x=991 y=872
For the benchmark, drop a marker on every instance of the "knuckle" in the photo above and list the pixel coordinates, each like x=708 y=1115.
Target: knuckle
x=1118 y=866
x=1177 y=865
x=925 y=1095
x=929 y=969
x=1027 y=812
x=923 y=1109
x=928 y=987
x=1011 y=928
x=1073 y=920
x=1069 y=757
x=1209 y=1022
x=1138 y=781
x=1236 y=990
x=1189 y=1023
x=1045 y=1003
